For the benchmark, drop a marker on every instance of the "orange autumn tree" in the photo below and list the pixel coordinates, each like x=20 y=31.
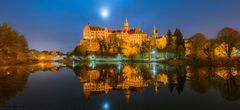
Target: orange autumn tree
x=13 y=46
x=130 y=50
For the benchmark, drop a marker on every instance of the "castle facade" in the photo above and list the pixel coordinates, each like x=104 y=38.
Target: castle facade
x=128 y=35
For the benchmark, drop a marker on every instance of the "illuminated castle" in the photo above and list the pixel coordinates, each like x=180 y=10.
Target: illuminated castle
x=135 y=35
x=128 y=35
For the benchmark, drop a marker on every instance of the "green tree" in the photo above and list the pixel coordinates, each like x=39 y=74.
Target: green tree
x=180 y=48
x=169 y=37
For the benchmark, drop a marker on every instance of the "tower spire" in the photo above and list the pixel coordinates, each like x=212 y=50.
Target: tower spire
x=155 y=32
x=126 y=25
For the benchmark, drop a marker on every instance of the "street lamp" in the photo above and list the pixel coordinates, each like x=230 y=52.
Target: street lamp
x=154 y=68
x=153 y=52
x=93 y=64
x=93 y=57
x=119 y=56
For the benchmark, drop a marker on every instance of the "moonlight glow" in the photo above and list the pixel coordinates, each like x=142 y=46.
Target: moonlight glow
x=104 y=13
x=106 y=106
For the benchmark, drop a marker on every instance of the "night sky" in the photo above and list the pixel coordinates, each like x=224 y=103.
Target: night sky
x=58 y=24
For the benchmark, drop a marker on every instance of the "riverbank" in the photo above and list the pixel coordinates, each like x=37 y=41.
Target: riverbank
x=171 y=62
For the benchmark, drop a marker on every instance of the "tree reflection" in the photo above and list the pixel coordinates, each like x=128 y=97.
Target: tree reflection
x=230 y=88
x=135 y=77
x=14 y=78
x=128 y=78
x=224 y=79
x=199 y=80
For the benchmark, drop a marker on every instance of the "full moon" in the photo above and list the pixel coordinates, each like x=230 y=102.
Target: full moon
x=104 y=12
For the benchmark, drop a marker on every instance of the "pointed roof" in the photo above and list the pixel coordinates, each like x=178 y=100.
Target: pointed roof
x=126 y=19
x=154 y=30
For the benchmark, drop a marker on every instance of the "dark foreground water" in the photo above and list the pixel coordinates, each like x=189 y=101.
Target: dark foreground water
x=119 y=86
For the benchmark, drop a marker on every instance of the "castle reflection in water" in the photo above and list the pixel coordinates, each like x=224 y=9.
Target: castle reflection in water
x=99 y=78
x=103 y=78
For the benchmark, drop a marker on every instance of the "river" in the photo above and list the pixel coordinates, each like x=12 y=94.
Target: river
x=119 y=86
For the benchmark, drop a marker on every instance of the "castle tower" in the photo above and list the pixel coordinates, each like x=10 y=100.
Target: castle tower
x=127 y=94
x=86 y=31
x=155 y=32
x=126 y=25
x=156 y=88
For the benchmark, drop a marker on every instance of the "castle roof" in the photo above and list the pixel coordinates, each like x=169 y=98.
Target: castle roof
x=136 y=31
x=130 y=31
x=97 y=28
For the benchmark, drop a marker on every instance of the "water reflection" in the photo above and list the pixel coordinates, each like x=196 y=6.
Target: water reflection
x=224 y=79
x=128 y=78
x=14 y=78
